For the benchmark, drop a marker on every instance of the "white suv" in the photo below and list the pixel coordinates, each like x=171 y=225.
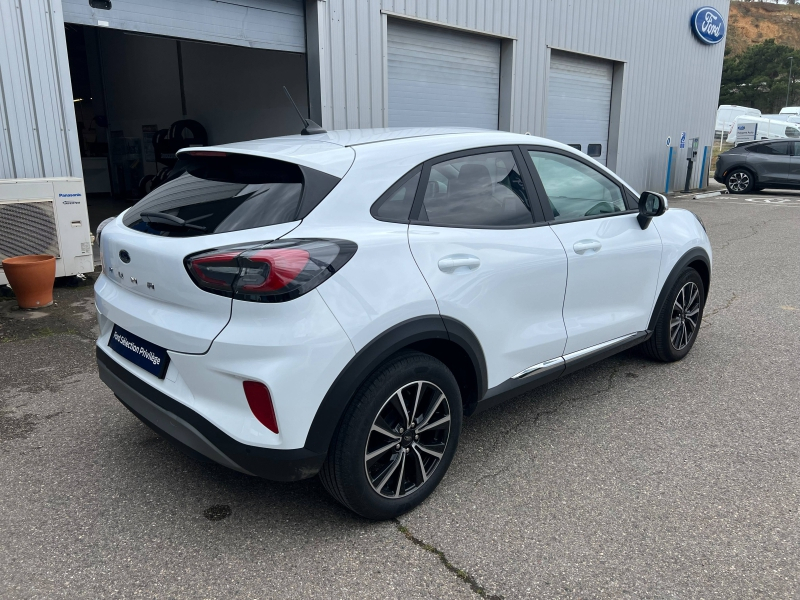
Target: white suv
x=335 y=303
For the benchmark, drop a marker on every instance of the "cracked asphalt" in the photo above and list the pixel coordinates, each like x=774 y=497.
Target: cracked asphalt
x=628 y=479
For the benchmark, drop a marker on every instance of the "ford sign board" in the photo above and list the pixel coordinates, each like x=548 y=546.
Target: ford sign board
x=708 y=25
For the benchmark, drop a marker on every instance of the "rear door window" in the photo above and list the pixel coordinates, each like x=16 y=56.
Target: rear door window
x=480 y=190
x=217 y=193
x=774 y=149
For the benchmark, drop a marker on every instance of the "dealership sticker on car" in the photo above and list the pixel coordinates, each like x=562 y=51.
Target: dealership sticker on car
x=153 y=359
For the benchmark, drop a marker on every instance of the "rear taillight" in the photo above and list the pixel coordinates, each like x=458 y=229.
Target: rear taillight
x=273 y=272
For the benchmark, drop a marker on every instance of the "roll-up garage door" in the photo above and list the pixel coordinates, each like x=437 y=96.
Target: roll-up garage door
x=579 y=102
x=266 y=24
x=439 y=77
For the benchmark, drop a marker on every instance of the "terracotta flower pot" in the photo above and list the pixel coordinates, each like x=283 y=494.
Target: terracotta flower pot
x=31 y=278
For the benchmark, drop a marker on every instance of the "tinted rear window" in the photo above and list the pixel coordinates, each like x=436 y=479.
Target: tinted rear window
x=218 y=193
x=776 y=149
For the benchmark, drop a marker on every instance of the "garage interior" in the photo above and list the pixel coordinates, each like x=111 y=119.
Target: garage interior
x=138 y=98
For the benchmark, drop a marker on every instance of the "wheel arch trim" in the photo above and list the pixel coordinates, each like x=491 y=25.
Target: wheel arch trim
x=694 y=255
x=742 y=167
x=403 y=335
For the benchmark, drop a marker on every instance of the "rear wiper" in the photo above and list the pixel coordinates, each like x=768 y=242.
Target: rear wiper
x=166 y=219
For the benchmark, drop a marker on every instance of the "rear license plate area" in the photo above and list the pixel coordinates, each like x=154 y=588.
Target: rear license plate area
x=150 y=357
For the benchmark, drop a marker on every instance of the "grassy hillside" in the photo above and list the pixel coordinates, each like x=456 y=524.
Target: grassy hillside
x=751 y=23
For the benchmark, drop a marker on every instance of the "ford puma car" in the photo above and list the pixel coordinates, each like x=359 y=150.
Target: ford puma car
x=337 y=303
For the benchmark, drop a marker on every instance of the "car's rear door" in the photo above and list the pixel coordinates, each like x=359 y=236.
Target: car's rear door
x=771 y=162
x=490 y=261
x=794 y=165
x=613 y=263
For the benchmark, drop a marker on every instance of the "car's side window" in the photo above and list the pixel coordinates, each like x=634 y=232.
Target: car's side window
x=776 y=149
x=796 y=149
x=395 y=204
x=480 y=190
x=574 y=189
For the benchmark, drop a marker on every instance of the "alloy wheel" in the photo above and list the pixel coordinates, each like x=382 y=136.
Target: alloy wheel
x=407 y=439
x=739 y=181
x=685 y=315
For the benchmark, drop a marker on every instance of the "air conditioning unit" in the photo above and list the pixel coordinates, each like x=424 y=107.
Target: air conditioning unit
x=46 y=216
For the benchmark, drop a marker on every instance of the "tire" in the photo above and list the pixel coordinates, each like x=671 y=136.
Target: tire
x=370 y=488
x=740 y=181
x=662 y=345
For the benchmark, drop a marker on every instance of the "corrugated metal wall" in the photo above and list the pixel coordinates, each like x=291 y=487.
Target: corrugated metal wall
x=268 y=24
x=671 y=81
x=39 y=137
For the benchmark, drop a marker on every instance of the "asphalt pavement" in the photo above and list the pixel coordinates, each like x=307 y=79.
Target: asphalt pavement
x=630 y=479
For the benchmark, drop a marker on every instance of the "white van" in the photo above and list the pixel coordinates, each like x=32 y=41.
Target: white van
x=790 y=110
x=768 y=129
x=726 y=113
x=784 y=117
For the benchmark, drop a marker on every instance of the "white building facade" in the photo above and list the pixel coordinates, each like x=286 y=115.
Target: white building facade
x=616 y=79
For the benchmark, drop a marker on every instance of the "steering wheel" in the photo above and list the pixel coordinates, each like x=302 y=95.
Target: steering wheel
x=601 y=208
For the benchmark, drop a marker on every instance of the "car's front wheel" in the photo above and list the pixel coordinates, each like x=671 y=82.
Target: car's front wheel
x=678 y=322
x=397 y=438
x=740 y=181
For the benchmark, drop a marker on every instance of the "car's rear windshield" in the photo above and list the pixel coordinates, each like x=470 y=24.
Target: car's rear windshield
x=215 y=192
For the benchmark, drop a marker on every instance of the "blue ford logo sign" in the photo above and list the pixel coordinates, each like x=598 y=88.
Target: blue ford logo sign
x=124 y=256
x=708 y=25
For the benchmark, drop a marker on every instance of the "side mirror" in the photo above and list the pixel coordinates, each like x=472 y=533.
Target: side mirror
x=651 y=205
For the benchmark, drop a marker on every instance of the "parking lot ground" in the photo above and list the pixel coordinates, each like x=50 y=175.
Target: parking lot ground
x=628 y=479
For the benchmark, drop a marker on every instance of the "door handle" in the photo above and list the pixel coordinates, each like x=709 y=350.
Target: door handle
x=448 y=264
x=583 y=246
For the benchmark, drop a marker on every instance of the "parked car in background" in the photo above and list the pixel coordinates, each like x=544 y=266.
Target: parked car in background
x=790 y=110
x=768 y=129
x=337 y=302
x=754 y=166
x=726 y=114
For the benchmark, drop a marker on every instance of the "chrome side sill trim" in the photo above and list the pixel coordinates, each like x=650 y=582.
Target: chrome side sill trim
x=553 y=362
x=592 y=349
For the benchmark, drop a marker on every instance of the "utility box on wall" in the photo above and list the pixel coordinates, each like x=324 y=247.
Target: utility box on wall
x=46 y=216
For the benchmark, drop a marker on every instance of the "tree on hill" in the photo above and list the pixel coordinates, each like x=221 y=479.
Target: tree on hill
x=759 y=76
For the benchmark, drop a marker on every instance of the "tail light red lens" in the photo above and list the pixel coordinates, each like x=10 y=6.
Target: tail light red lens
x=260 y=401
x=215 y=271
x=273 y=272
x=283 y=265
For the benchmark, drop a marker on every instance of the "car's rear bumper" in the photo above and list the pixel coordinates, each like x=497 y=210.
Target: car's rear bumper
x=199 y=437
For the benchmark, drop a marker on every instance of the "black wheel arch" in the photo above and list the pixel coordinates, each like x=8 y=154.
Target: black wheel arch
x=446 y=339
x=697 y=259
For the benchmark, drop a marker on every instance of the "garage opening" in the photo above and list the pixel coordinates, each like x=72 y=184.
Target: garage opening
x=139 y=98
x=439 y=77
x=579 y=102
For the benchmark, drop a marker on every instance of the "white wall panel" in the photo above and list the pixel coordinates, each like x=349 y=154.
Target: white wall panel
x=39 y=136
x=269 y=24
x=671 y=81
